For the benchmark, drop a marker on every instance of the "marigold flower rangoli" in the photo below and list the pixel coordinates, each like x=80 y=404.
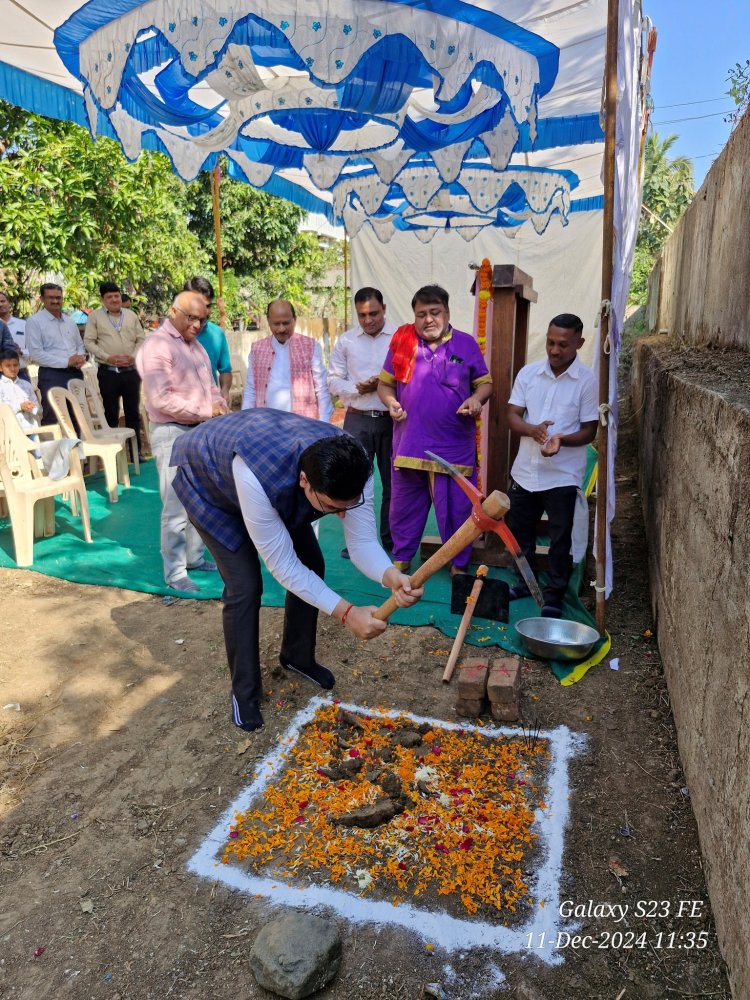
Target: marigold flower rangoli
x=397 y=810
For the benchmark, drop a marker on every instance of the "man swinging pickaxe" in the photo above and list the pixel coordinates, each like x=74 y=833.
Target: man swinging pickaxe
x=486 y=515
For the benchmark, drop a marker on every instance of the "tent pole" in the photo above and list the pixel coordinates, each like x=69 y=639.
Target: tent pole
x=215 y=183
x=346 y=285
x=610 y=75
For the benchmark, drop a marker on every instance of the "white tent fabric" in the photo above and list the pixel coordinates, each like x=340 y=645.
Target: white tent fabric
x=334 y=105
x=565 y=265
x=386 y=115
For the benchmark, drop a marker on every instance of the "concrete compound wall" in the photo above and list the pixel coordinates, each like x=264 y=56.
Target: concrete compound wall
x=691 y=396
x=698 y=292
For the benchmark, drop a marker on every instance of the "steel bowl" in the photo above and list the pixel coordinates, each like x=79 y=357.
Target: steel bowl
x=557 y=638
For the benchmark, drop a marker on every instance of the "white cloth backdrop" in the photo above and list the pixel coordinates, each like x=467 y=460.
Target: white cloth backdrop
x=565 y=264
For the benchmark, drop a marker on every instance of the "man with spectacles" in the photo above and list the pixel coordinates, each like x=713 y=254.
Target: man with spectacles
x=113 y=336
x=212 y=338
x=180 y=393
x=253 y=484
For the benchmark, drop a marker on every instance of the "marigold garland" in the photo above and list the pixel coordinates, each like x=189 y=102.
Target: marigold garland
x=467 y=833
x=484 y=294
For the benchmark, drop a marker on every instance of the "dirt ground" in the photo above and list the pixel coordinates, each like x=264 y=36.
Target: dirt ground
x=123 y=756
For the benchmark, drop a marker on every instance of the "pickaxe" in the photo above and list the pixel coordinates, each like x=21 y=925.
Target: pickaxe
x=486 y=515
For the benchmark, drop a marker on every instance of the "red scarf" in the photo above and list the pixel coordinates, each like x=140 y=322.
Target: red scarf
x=404 y=352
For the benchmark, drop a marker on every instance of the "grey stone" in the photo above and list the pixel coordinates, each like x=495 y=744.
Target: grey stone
x=367 y=817
x=296 y=955
x=406 y=738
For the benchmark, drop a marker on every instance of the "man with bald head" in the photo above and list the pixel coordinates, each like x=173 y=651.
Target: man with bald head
x=285 y=371
x=180 y=393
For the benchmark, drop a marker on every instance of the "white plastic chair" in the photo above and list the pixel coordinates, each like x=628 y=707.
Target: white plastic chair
x=91 y=403
x=24 y=483
x=108 y=450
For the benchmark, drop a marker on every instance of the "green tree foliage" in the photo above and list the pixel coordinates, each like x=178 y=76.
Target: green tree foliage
x=738 y=79
x=668 y=189
x=76 y=208
x=264 y=254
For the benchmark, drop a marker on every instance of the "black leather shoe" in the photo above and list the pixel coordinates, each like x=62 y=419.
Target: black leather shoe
x=518 y=590
x=252 y=718
x=551 y=611
x=321 y=676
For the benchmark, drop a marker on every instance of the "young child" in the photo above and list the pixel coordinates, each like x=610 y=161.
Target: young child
x=16 y=392
x=554 y=408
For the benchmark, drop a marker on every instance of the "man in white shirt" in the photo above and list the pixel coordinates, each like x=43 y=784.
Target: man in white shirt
x=17 y=329
x=285 y=371
x=559 y=393
x=253 y=484
x=356 y=361
x=54 y=342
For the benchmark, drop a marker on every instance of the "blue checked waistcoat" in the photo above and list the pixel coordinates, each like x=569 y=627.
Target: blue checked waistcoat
x=270 y=443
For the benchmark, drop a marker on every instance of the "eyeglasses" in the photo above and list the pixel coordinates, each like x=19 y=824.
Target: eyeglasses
x=328 y=509
x=200 y=320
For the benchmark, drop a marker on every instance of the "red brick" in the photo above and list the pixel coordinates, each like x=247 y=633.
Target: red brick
x=472 y=679
x=504 y=681
x=470 y=708
x=504 y=713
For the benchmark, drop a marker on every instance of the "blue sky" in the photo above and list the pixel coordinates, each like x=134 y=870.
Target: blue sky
x=696 y=46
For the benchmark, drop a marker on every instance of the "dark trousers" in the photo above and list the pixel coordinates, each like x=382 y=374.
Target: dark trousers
x=243 y=588
x=526 y=509
x=53 y=378
x=125 y=385
x=376 y=434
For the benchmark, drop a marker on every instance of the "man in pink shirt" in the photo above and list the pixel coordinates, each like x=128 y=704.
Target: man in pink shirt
x=180 y=393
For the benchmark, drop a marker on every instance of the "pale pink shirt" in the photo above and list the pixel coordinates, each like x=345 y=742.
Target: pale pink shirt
x=178 y=384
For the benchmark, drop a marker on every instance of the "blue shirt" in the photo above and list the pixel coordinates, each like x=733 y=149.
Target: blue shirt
x=213 y=340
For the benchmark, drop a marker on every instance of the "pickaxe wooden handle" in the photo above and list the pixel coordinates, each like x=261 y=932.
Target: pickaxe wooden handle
x=463 y=628
x=495 y=507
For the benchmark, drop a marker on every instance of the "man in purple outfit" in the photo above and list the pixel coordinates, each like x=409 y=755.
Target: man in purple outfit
x=434 y=382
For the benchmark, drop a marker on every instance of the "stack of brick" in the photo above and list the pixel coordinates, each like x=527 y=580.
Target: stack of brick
x=504 y=688
x=472 y=688
x=499 y=681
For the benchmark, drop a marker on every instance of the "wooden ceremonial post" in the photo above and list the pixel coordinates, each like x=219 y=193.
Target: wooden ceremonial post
x=507 y=341
x=610 y=106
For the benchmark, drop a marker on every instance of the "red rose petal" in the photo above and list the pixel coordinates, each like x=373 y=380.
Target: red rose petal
x=402 y=865
x=233 y=834
x=38 y=952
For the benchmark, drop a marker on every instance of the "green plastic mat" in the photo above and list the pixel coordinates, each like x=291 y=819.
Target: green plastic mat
x=125 y=553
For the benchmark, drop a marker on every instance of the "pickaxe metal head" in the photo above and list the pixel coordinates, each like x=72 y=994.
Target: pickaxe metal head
x=487 y=523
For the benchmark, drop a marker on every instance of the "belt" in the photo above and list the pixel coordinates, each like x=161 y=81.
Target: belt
x=117 y=368
x=368 y=413
x=172 y=423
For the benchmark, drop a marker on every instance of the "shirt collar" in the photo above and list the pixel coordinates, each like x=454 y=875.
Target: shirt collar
x=384 y=332
x=574 y=370
x=169 y=327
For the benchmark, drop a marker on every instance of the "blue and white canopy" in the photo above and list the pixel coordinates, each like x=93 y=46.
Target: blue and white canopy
x=404 y=114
